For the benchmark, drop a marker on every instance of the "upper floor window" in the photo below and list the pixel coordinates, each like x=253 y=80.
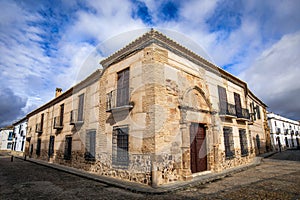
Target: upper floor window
x=62 y=108
x=123 y=88
x=275 y=123
x=238 y=105
x=80 y=107
x=222 y=99
x=10 y=135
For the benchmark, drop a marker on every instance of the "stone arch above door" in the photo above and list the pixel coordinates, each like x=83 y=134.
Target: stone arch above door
x=194 y=98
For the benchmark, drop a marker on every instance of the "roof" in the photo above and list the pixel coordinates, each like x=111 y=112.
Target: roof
x=160 y=39
x=20 y=120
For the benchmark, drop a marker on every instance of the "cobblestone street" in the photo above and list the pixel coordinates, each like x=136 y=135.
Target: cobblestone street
x=277 y=177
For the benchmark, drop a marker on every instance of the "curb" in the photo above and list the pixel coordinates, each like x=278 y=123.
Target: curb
x=138 y=188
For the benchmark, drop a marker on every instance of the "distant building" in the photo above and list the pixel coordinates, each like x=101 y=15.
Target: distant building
x=284 y=132
x=157 y=113
x=19 y=135
x=6 y=138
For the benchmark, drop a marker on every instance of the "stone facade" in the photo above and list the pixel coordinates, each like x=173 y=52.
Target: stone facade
x=167 y=124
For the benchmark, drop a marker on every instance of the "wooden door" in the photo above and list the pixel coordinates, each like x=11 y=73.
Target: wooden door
x=198 y=153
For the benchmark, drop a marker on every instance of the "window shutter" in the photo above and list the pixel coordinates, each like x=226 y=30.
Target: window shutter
x=238 y=105
x=222 y=99
x=80 y=107
x=123 y=88
x=258 y=111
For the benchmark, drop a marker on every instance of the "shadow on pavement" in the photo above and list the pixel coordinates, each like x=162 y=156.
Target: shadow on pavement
x=290 y=154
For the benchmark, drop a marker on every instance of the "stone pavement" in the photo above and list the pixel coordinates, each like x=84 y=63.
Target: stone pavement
x=139 y=188
x=277 y=177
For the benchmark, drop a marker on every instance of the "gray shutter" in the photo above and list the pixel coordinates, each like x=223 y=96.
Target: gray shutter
x=222 y=99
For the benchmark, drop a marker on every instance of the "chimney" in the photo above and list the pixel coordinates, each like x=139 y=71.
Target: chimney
x=58 y=92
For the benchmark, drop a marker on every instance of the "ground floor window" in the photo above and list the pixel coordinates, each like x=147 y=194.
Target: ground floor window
x=120 y=146
x=228 y=142
x=38 y=147
x=68 y=148
x=23 y=142
x=286 y=142
x=90 y=145
x=243 y=142
x=51 y=146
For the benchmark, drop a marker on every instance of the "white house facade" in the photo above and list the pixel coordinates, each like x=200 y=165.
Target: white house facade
x=19 y=139
x=284 y=132
x=6 y=137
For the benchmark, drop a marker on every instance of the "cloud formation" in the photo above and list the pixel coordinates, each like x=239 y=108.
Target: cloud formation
x=49 y=44
x=274 y=76
x=11 y=106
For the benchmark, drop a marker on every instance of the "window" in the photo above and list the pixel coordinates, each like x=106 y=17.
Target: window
x=80 y=108
x=42 y=121
x=275 y=123
x=38 y=147
x=8 y=145
x=51 y=146
x=258 y=111
x=228 y=142
x=253 y=110
x=123 y=88
x=61 y=119
x=23 y=141
x=90 y=145
x=68 y=148
x=243 y=142
x=10 y=136
x=120 y=146
x=15 y=144
x=238 y=105
x=222 y=99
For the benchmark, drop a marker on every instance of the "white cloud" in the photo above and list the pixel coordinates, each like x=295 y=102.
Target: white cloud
x=274 y=76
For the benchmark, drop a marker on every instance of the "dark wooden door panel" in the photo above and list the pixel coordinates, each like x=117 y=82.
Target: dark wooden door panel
x=198 y=151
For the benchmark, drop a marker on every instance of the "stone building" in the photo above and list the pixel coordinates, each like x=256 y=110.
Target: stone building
x=19 y=136
x=60 y=131
x=161 y=113
x=284 y=132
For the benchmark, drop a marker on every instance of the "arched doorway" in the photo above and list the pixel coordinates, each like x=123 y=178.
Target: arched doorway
x=196 y=120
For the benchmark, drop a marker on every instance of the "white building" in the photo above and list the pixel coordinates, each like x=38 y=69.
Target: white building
x=6 y=137
x=284 y=132
x=19 y=139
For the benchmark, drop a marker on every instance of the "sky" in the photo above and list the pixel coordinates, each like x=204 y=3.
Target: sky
x=49 y=44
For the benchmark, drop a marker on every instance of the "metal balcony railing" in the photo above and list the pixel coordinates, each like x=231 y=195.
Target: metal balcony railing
x=58 y=123
x=118 y=99
x=228 y=110
x=75 y=117
x=244 y=114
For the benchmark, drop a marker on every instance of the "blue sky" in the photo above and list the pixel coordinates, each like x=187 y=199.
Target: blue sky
x=49 y=44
